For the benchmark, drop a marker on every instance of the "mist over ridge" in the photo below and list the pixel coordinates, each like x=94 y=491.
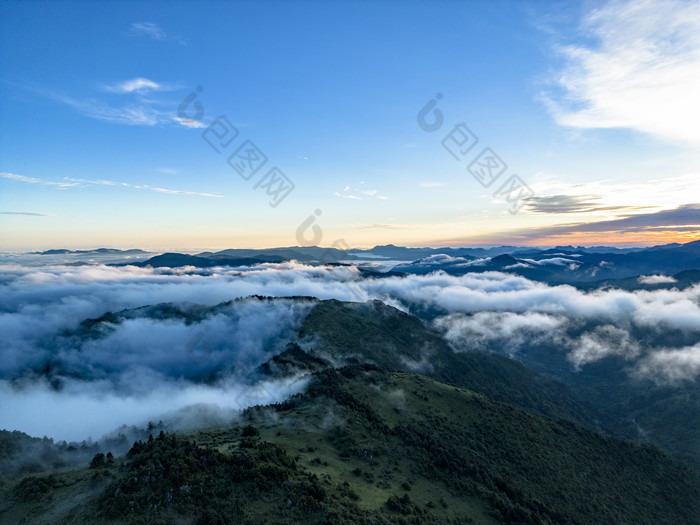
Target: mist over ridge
x=158 y=359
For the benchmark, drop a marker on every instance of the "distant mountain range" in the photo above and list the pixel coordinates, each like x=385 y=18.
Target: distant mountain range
x=656 y=267
x=631 y=268
x=245 y=257
x=561 y=265
x=98 y=251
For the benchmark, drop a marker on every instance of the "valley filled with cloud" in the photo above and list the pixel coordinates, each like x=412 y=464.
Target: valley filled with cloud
x=71 y=372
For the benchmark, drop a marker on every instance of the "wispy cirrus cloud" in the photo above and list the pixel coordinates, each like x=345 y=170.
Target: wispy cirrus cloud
x=177 y=192
x=167 y=171
x=142 y=187
x=642 y=72
x=69 y=182
x=148 y=29
x=29 y=213
x=32 y=180
x=133 y=113
x=152 y=31
x=138 y=85
x=132 y=108
x=190 y=123
x=385 y=226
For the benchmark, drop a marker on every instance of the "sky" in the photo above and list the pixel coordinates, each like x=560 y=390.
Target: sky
x=209 y=125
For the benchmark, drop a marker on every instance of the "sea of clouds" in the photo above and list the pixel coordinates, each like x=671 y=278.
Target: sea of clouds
x=56 y=381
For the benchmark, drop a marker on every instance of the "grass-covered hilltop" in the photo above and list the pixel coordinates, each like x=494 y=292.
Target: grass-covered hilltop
x=392 y=426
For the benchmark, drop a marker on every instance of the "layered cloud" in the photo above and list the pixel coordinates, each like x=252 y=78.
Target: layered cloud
x=561 y=204
x=656 y=226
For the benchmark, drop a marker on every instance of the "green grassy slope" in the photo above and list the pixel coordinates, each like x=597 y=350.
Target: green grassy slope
x=370 y=441
x=370 y=446
x=525 y=467
x=668 y=416
x=382 y=335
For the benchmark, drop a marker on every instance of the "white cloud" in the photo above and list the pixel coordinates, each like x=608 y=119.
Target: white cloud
x=70 y=182
x=190 y=123
x=138 y=85
x=148 y=29
x=152 y=31
x=30 y=213
x=32 y=180
x=140 y=368
x=642 y=73
x=369 y=194
x=510 y=330
x=133 y=110
x=178 y=404
x=40 y=306
x=672 y=365
x=142 y=187
x=178 y=192
x=604 y=341
x=555 y=261
x=656 y=279
x=134 y=113
x=620 y=199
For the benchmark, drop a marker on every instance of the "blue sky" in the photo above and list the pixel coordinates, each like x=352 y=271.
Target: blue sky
x=592 y=105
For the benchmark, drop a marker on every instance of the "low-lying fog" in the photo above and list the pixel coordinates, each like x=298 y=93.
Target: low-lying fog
x=58 y=381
